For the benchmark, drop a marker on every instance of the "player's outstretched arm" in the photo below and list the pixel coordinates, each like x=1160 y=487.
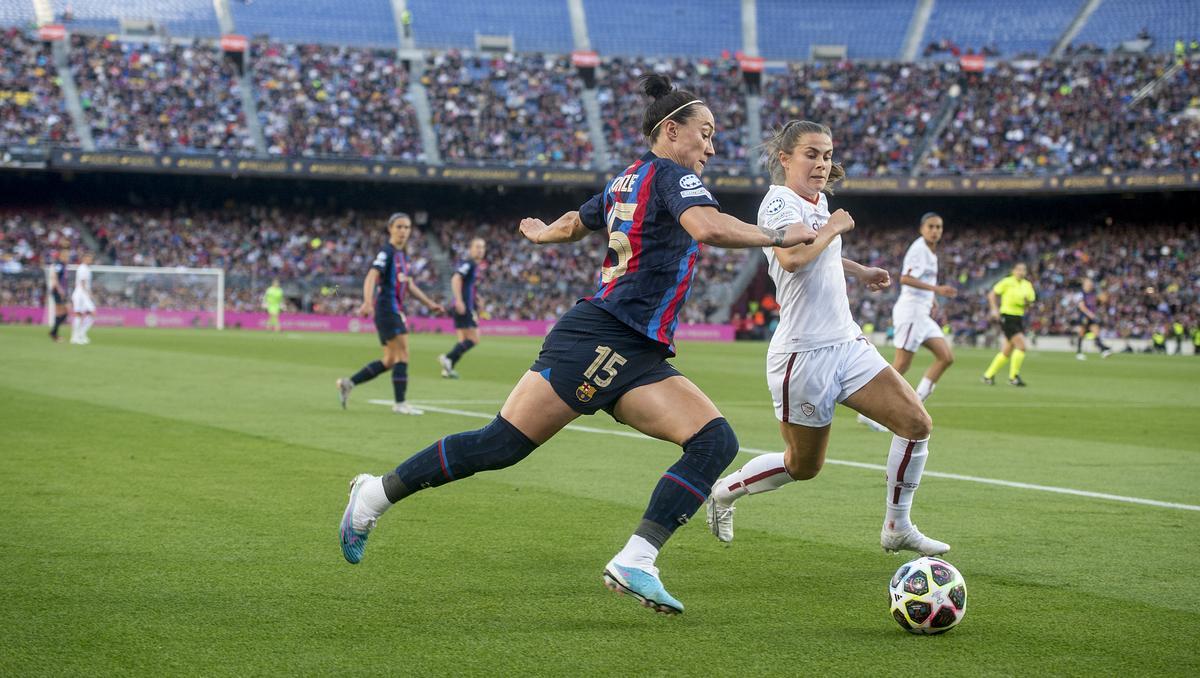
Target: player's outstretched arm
x=710 y=226
x=874 y=278
x=792 y=258
x=424 y=298
x=943 y=290
x=567 y=228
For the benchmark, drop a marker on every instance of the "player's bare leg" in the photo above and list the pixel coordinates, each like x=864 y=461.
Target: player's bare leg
x=675 y=410
x=802 y=459
x=889 y=400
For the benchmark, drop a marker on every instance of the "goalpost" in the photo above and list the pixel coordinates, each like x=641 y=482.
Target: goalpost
x=150 y=288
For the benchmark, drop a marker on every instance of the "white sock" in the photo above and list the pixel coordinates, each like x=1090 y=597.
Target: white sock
x=76 y=333
x=637 y=553
x=925 y=388
x=763 y=473
x=88 y=321
x=906 y=463
x=373 y=502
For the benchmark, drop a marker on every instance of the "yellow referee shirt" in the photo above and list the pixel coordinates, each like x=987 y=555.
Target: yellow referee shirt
x=1014 y=295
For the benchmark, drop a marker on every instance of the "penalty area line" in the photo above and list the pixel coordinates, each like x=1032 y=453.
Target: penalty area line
x=856 y=464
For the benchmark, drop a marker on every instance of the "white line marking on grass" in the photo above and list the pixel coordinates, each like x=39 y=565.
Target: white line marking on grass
x=856 y=464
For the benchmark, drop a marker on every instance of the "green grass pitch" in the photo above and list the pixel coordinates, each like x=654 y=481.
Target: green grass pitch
x=170 y=505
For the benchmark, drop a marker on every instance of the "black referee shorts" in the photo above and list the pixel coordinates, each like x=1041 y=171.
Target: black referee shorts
x=1012 y=325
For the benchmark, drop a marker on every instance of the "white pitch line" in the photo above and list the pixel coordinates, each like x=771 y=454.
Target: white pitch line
x=857 y=464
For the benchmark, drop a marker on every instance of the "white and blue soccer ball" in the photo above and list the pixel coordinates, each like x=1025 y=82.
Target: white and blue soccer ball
x=928 y=596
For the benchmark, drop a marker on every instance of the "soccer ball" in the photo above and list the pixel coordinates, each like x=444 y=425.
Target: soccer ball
x=928 y=596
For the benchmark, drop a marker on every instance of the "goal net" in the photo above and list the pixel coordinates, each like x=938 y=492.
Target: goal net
x=150 y=296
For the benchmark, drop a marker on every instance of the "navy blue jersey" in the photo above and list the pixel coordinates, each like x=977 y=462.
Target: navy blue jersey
x=1089 y=301
x=392 y=265
x=467 y=270
x=60 y=275
x=651 y=259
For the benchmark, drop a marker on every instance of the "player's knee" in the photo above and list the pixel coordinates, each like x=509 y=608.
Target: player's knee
x=388 y=362
x=917 y=425
x=713 y=447
x=947 y=359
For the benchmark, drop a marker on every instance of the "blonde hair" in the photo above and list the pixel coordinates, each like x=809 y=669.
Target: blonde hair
x=785 y=140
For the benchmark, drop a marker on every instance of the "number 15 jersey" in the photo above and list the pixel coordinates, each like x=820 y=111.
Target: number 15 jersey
x=651 y=259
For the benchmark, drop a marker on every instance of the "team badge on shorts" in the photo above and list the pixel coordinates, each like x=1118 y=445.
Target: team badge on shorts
x=807 y=409
x=585 y=392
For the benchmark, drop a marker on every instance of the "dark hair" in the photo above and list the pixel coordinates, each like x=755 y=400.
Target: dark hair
x=396 y=217
x=666 y=99
x=927 y=216
x=785 y=140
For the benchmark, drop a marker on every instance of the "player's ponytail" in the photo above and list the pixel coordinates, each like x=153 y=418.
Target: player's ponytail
x=784 y=141
x=669 y=104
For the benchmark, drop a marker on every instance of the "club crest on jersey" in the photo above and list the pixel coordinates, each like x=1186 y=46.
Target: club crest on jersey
x=585 y=392
x=775 y=206
x=690 y=181
x=807 y=409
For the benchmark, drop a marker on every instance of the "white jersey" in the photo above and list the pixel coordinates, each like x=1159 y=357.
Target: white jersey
x=814 y=310
x=83 y=280
x=921 y=263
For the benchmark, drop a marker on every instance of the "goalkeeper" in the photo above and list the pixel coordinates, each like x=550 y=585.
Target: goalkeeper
x=273 y=302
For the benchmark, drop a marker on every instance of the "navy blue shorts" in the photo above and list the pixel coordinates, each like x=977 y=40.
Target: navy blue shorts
x=591 y=359
x=465 y=321
x=389 y=325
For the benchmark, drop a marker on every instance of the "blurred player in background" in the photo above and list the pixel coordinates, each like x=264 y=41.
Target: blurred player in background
x=58 y=292
x=819 y=356
x=1088 y=307
x=81 y=302
x=912 y=316
x=609 y=352
x=273 y=302
x=466 y=323
x=1015 y=293
x=384 y=289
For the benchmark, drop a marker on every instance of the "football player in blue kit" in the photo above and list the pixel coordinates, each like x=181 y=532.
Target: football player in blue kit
x=609 y=352
x=466 y=323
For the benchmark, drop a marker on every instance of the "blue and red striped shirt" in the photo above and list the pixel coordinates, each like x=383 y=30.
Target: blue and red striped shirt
x=651 y=259
x=392 y=265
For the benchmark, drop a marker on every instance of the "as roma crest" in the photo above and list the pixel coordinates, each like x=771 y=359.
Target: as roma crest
x=585 y=392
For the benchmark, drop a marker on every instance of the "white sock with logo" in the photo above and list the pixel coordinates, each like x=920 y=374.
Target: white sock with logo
x=905 y=464
x=925 y=388
x=763 y=473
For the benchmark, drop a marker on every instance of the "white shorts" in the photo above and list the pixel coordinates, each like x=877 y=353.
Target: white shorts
x=911 y=334
x=807 y=386
x=82 y=303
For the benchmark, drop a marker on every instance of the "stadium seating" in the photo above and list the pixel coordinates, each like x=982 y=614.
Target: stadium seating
x=1164 y=21
x=158 y=97
x=1012 y=28
x=334 y=100
x=361 y=23
x=31 y=105
x=534 y=25
x=868 y=29
x=517 y=109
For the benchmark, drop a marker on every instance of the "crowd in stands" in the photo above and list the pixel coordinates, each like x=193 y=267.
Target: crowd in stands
x=158 y=96
x=518 y=109
x=316 y=100
x=1018 y=116
x=1148 y=274
x=1074 y=117
x=31 y=108
x=879 y=113
x=717 y=82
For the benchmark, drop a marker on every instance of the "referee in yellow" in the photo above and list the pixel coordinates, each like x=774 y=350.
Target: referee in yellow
x=1014 y=292
x=273 y=302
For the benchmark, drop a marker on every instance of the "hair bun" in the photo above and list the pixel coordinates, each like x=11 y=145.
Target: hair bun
x=656 y=85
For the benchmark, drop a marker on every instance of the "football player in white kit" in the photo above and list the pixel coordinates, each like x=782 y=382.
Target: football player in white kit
x=912 y=316
x=81 y=302
x=818 y=356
